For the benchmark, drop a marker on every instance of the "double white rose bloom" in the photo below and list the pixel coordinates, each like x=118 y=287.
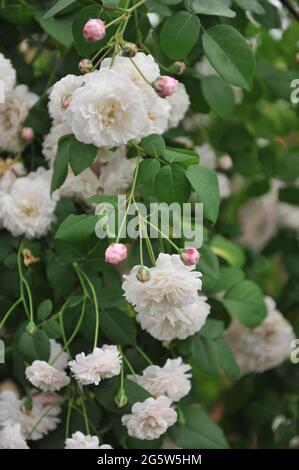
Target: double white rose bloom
x=109 y=108
x=168 y=305
x=264 y=347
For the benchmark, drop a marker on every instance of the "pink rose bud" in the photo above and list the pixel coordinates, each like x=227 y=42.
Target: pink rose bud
x=27 y=134
x=190 y=256
x=94 y=30
x=116 y=253
x=85 y=65
x=65 y=101
x=165 y=86
x=225 y=162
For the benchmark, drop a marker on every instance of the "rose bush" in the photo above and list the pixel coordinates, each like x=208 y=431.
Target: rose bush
x=148 y=341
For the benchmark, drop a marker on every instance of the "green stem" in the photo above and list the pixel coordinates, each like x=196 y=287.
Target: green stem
x=12 y=308
x=68 y=417
x=142 y=353
x=23 y=282
x=85 y=416
x=140 y=72
x=129 y=365
x=96 y=306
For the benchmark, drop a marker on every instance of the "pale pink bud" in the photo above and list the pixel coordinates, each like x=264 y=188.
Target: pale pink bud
x=65 y=101
x=190 y=256
x=85 y=65
x=46 y=398
x=27 y=134
x=225 y=162
x=165 y=86
x=94 y=30
x=116 y=253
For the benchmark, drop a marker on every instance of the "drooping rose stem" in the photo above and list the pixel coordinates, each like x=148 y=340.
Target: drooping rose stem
x=96 y=306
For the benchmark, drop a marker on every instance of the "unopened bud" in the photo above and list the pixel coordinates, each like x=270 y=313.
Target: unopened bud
x=129 y=49
x=85 y=66
x=178 y=67
x=27 y=405
x=121 y=399
x=65 y=101
x=190 y=256
x=31 y=328
x=116 y=253
x=165 y=86
x=27 y=134
x=94 y=30
x=143 y=274
x=225 y=162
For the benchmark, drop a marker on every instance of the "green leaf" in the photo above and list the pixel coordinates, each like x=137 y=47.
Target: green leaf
x=251 y=5
x=81 y=155
x=147 y=172
x=204 y=354
x=230 y=55
x=204 y=181
x=103 y=199
x=226 y=359
x=200 y=432
x=59 y=28
x=153 y=145
x=52 y=328
x=229 y=276
x=209 y=263
x=246 y=302
x=77 y=227
x=118 y=327
x=60 y=167
x=179 y=34
x=135 y=392
x=228 y=250
x=218 y=95
x=182 y=156
x=210 y=7
x=44 y=309
x=172 y=185
x=212 y=328
x=59 y=6
x=34 y=347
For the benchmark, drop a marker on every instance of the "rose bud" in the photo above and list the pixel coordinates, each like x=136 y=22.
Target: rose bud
x=94 y=30
x=85 y=66
x=165 y=86
x=190 y=256
x=27 y=134
x=65 y=101
x=129 y=49
x=178 y=67
x=143 y=274
x=116 y=253
x=225 y=162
